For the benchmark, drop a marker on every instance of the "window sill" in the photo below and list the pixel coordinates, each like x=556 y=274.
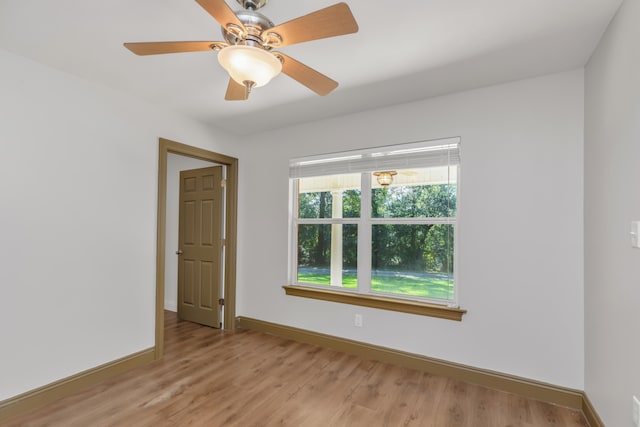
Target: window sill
x=375 y=301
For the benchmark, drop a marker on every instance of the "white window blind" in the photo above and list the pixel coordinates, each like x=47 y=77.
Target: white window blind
x=440 y=152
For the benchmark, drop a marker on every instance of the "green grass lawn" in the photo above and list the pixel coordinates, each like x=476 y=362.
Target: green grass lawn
x=430 y=287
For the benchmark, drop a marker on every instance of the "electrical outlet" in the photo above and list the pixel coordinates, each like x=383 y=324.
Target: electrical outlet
x=636 y=412
x=635 y=234
x=357 y=320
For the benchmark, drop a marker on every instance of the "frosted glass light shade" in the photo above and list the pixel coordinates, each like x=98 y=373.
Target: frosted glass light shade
x=248 y=63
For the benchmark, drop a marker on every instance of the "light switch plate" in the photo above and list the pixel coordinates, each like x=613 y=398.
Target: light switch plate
x=635 y=234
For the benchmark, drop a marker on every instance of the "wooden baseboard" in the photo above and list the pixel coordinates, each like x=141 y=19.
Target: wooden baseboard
x=534 y=389
x=590 y=413
x=49 y=393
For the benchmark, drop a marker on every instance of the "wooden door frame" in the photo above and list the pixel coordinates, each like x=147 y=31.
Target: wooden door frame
x=231 y=219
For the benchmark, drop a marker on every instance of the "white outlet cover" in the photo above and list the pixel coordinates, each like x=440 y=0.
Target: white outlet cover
x=357 y=321
x=636 y=412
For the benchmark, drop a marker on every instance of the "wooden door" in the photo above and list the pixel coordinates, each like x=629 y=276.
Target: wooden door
x=200 y=251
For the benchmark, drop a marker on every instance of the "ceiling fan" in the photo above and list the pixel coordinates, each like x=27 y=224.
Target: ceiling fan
x=250 y=37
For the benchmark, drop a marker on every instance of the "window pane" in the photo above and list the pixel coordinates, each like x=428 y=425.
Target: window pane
x=413 y=260
x=315 y=205
x=333 y=196
x=351 y=204
x=315 y=253
x=418 y=193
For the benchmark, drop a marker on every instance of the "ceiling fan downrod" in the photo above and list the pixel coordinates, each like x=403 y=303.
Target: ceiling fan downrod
x=252 y=4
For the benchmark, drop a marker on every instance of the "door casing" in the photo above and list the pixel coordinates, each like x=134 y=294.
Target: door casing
x=231 y=210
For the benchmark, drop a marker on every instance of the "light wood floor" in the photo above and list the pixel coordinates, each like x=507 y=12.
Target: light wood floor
x=212 y=378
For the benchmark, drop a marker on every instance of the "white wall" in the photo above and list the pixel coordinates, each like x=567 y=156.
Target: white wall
x=78 y=189
x=175 y=164
x=520 y=228
x=612 y=179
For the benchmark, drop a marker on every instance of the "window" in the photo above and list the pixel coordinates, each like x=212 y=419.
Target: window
x=377 y=222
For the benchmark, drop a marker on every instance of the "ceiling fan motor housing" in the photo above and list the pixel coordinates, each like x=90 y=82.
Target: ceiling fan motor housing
x=255 y=23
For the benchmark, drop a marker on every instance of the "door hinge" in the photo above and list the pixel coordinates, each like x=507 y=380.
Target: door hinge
x=223 y=242
x=223 y=183
x=221 y=301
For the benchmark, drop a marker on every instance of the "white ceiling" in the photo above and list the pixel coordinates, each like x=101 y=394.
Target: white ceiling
x=404 y=51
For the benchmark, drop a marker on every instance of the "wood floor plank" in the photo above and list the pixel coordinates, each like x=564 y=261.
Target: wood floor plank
x=209 y=377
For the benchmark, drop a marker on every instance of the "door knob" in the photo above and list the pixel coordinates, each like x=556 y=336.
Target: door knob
x=179 y=252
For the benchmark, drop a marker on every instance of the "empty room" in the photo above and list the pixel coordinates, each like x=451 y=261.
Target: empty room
x=260 y=213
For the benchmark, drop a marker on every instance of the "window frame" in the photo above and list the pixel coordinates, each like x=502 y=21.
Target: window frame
x=363 y=295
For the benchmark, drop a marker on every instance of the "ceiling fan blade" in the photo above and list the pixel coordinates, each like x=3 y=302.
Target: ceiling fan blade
x=155 y=48
x=317 y=82
x=236 y=91
x=221 y=12
x=332 y=21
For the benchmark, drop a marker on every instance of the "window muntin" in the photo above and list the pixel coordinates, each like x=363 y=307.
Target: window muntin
x=405 y=231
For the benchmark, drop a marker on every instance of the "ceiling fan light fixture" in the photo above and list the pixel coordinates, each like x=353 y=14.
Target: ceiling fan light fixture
x=249 y=64
x=385 y=178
